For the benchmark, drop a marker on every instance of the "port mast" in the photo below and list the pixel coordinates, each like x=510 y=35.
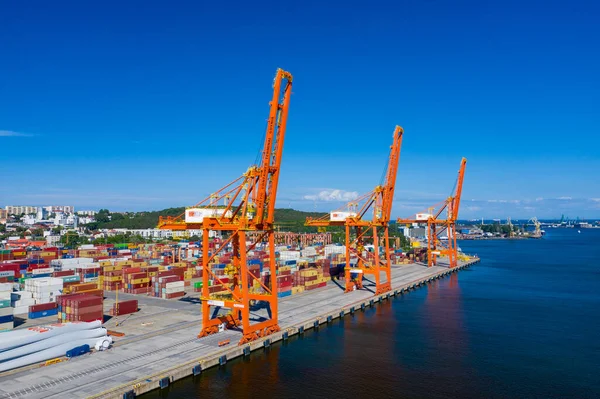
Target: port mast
x=247 y=221
x=351 y=216
x=435 y=246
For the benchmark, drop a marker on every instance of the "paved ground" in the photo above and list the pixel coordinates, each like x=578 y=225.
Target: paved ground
x=163 y=334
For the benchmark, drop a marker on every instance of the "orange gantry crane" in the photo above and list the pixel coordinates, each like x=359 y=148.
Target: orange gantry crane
x=249 y=206
x=435 y=226
x=351 y=216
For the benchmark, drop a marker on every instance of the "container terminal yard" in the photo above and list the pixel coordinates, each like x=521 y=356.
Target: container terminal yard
x=119 y=320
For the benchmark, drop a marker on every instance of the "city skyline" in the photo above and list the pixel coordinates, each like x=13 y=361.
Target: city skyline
x=143 y=112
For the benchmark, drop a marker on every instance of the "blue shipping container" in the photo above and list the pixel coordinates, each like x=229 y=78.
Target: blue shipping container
x=78 y=351
x=284 y=294
x=43 y=313
x=7 y=318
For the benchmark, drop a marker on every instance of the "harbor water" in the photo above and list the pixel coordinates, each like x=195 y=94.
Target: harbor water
x=523 y=323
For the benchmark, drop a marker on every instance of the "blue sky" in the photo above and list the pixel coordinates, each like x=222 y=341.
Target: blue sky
x=145 y=105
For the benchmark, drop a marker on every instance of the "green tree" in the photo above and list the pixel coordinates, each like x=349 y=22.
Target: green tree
x=103 y=216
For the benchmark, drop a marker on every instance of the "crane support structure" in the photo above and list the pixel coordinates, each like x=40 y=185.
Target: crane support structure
x=435 y=225
x=359 y=230
x=245 y=220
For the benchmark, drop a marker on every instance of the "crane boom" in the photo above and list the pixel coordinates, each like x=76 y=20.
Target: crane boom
x=273 y=148
x=390 y=178
x=458 y=193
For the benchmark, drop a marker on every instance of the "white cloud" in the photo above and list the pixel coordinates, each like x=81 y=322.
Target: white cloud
x=565 y=198
x=595 y=199
x=332 y=195
x=474 y=208
x=9 y=133
x=539 y=199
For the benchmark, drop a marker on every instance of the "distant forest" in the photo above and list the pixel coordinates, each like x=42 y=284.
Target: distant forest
x=285 y=220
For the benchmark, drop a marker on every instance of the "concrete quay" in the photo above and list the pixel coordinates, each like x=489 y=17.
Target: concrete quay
x=160 y=344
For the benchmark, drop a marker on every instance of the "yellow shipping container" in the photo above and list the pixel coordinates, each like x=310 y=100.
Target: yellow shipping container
x=309 y=273
x=140 y=280
x=113 y=278
x=47 y=253
x=297 y=290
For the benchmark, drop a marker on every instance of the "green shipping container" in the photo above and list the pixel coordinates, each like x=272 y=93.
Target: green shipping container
x=71 y=279
x=5 y=303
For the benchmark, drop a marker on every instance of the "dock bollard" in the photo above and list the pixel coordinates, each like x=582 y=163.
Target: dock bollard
x=352 y=310
x=223 y=360
x=342 y=314
x=316 y=324
x=371 y=302
x=301 y=330
x=362 y=306
x=285 y=335
x=196 y=370
x=247 y=351
x=329 y=319
x=267 y=343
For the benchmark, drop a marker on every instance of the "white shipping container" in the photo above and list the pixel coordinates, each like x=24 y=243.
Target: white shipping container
x=175 y=284
x=338 y=216
x=6 y=311
x=21 y=309
x=6 y=287
x=46 y=270
x=423 y=216
x=289 y=255
x=6 y=326
x=17 y=295
x=23 y=302
x=197 y=215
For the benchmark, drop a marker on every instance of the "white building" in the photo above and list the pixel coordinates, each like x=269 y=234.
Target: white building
x=86 y=219
x=20 y=209
x=87 y=213
x=62 y=219
x=60 y=209
x=29 y=219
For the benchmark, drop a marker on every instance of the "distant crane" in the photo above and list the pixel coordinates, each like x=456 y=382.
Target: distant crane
x=248 y=211
x=510 y=228
x=537 y=232
x=435 y=246
x=351 y=216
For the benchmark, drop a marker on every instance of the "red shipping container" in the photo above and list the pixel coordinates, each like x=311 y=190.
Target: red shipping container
x=99 y=293
x=145 y=290
x=174 y=295
x=63 y=273
x=125 y=307
x=84 y=287
x=89 y=317
x=42 y=306
x=129 y=270
x=87 y=300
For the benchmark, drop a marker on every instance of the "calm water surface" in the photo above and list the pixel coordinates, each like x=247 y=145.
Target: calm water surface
x=522 y=323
